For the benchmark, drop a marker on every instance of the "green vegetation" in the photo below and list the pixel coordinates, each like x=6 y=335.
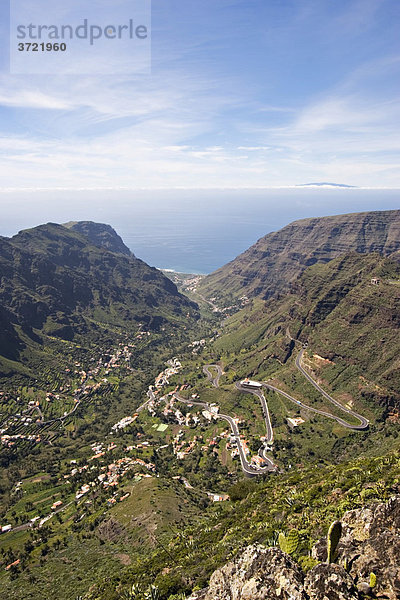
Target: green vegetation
x=372 y=581
x=289 y=543
x=307 y=500
x=57 y=284
x=108 y=487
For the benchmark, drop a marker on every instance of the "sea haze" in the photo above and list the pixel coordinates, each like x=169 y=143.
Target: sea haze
x=192 y=231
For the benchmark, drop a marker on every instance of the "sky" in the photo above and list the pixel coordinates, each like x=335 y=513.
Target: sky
x=241 y=94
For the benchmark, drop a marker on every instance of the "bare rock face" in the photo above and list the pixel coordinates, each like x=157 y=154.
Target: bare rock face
x=280 y=257
x=329 y=582
x=370 y=543
x=260 y=574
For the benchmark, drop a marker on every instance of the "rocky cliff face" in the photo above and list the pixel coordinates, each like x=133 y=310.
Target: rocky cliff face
x=101 y=235
x=278 y=258
x=370 y=543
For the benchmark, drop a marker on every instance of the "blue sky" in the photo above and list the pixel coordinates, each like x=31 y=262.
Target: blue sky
x=242 y=94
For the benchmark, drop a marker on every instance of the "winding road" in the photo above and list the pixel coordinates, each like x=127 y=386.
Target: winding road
x=248 y=469
x=77 y=398
x=214 y=379
x=268 y=465
x=364 y=423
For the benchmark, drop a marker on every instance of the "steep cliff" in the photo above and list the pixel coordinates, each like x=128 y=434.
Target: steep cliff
x=277 y=259
x=101 y=235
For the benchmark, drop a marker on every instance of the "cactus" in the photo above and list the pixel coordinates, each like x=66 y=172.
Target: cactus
x=334 y=533
x=289 y=543
x=372 y=580
x=282 y=542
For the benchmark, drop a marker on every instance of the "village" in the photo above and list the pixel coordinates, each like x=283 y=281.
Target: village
x=186 y=427
x=167 y=408
x=79 y=384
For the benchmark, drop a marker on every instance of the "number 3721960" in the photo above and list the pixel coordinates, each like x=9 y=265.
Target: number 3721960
x=43 y=47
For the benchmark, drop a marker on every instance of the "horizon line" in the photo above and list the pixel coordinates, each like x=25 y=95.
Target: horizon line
x=197 y=188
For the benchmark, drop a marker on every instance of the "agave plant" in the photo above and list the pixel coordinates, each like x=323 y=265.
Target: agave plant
x=153 y=593
x=134 y=593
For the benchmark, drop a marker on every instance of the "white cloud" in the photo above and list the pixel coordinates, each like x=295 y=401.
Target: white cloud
x=254 y=148
x=25 y=98
x=172 y=131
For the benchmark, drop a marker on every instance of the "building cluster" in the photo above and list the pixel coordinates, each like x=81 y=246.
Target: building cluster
x=211 y=414
x=11 y=440
x=19 y=420
x=180 y=447
x=111 y=474
x=123 y=423
x=231 y=443
x=232 y=308
x=171 y=412
x=197 y=345
x=141 y=335
x=218 y=497
x=191 y=284
x=162 y=378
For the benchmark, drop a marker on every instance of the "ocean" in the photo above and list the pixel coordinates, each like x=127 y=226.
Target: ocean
x=190 y=231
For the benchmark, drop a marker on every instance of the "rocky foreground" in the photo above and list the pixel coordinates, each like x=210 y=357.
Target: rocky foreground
x=370 y=543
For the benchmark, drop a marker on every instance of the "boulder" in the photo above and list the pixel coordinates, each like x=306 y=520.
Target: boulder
x=260 y=574
x=329 y=582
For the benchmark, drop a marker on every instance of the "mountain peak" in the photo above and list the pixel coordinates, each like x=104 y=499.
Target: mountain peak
x=326 y=184
x=101 y=235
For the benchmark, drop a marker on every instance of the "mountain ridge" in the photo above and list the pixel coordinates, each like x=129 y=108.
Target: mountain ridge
x=277 y=259
x=342 y=316
x=157 y=528
x=54 y=281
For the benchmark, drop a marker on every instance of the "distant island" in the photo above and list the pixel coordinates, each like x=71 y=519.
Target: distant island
x=326 y=184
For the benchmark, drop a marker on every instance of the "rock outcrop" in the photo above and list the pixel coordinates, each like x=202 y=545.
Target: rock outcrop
x=259 y=573
x=329 y=582
x=370 y=543
x=101 y=235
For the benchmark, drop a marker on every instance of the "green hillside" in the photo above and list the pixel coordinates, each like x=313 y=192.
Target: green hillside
x=100 y=235
x=347 y=321
x=55 y=282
